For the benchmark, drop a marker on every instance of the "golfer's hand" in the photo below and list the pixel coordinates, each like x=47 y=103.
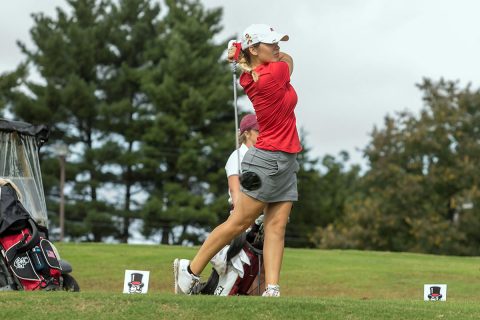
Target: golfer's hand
x=231 y=54
x=231 y=49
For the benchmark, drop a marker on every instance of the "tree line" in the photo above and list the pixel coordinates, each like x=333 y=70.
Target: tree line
x=142 y=95
x=421 y=190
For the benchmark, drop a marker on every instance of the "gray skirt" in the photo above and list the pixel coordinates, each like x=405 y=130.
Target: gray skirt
x=278 y=174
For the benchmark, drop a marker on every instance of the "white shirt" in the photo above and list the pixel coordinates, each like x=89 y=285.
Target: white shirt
x=233 y=167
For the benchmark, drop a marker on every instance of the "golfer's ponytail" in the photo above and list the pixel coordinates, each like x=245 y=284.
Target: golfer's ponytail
x=242 y=138
x=245 y=61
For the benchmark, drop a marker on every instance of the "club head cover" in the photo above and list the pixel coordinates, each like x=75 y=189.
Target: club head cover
x=250 y=181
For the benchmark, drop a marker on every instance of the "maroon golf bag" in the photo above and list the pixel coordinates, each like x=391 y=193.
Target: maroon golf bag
x=250 y=245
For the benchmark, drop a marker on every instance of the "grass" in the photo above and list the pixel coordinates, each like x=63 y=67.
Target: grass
x=98 y=306
x=316 y=284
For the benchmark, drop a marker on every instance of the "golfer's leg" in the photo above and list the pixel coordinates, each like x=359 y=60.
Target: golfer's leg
x=275 y=222
x=246 y=210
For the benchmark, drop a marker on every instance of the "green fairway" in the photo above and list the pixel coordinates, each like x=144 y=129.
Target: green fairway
x=91 y=305
x=316 y=284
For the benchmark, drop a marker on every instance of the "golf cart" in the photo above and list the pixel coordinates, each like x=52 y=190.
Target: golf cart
x=29 y=260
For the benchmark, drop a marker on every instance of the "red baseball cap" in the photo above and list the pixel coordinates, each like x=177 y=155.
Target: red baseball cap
x=249 y=122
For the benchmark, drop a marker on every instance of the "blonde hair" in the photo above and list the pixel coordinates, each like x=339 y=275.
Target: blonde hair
x=242 y=137
x=245 y=62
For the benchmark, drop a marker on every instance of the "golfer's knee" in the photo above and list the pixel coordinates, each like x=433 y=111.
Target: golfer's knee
x=235 y=227
x=276 y=228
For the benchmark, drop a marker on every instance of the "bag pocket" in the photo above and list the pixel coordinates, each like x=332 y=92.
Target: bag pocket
x=23 y=268
x=49 y=253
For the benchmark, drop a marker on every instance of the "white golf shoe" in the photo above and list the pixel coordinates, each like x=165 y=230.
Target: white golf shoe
x=272 y=291
x=184 y=280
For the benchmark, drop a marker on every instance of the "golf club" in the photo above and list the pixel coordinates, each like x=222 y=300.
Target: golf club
x=249 y=180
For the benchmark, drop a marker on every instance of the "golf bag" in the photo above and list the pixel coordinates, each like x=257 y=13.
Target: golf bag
x=238 y=268
x=29 y=261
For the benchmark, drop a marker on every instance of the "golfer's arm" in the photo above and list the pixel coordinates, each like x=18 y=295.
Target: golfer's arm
x=234 y=187
x=288 y=59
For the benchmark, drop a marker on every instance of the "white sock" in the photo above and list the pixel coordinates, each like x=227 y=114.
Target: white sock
x=273 y=287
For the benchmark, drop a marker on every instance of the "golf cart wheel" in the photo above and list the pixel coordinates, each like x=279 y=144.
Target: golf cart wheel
x=70 y=284
x=3 y=280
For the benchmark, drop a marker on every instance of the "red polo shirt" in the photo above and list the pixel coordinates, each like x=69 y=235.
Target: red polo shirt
x=274 y=101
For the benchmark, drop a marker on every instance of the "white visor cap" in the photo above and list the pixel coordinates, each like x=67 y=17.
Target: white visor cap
x=257 y=33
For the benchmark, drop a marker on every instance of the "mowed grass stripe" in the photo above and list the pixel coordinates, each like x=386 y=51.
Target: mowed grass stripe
x=324 y=273
x=316 y=284
x=91 y=305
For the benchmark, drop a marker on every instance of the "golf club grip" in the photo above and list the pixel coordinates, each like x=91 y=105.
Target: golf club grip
x=238 y=48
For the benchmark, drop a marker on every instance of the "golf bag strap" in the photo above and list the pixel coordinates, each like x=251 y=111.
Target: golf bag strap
x=24 y=245
x=258 y=252
x=236 y=245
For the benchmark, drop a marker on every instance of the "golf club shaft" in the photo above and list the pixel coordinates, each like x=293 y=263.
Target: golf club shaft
x=237 y=147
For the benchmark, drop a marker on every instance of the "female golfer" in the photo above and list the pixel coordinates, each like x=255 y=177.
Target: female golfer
x=268 y=181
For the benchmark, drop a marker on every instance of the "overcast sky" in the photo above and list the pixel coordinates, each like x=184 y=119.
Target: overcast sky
x=355 y=60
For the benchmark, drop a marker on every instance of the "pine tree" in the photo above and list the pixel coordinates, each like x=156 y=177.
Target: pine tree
x=67 y=53
x=190 y=140
x=134 y=32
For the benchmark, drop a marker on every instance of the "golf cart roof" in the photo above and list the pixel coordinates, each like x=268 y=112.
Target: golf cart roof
x=19 y=163
x=41 y=132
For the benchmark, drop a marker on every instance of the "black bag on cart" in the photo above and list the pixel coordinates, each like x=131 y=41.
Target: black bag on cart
x=27 y=255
